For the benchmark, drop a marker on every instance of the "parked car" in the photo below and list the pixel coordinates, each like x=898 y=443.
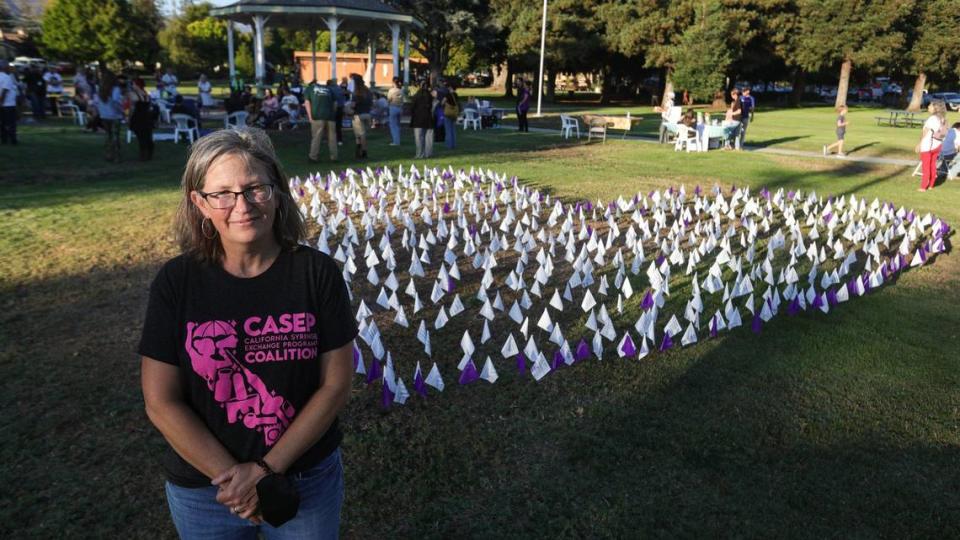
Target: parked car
x=23 y=62
x=952 y=99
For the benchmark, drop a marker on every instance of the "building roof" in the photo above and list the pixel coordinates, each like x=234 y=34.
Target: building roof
x=355 y=15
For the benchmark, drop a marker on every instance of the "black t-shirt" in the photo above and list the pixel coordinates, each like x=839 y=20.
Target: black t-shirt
x=248 y=349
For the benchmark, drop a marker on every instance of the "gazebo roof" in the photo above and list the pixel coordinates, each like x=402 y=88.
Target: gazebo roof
x=354 y=15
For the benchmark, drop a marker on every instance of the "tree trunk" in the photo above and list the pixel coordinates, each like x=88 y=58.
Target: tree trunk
x=799 y=82
x=501 y=78
x=667 y=87
x=605 y=80
x=551 y=85
x=917 y=100
x=844 y=84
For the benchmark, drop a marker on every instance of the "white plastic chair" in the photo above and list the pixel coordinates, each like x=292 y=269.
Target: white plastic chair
x=79 y=116
x=235 y=119
x=164 y=111
x=471 y=118
x=598 y=128
x=186 y=125
x=687 y=139
x=568 y=125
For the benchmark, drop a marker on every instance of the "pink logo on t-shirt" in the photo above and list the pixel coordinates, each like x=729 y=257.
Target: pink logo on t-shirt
x=211 y=347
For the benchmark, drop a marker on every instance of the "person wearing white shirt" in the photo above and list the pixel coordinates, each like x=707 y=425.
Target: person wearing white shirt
x=8 y=104
x=169 y=81
x=54 y=88
x=205 y=89
x=934 y=130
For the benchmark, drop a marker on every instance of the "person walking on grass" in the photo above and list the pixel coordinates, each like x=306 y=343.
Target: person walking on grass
x=747 y=105
x=321 y=111
x=362 y=104
x=421 y=119
x=841 y=129
x=395 y=102
x=109 y=103
x=141 y=118
x=451 y=110
x=8 y=104
x=523 y=106
x=247 y=354
x=931 y=139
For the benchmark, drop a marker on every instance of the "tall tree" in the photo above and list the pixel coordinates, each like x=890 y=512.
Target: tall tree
x=448 y=24
x=862 y=33
x=702 y=56
x=194 y=40
x=87 y=30
x=932 y=49
x=149 y=22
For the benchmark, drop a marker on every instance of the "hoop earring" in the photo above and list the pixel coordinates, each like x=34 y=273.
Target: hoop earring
x=203 y=229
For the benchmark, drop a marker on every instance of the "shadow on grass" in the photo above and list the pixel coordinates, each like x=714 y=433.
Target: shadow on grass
x=773 y=142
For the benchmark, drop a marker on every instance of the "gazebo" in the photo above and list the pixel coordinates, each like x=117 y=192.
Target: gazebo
x=353 y=16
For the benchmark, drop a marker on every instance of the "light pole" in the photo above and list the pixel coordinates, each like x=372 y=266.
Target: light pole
x=543 y=40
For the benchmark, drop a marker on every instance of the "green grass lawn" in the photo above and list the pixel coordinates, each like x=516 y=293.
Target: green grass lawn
x=839 y=425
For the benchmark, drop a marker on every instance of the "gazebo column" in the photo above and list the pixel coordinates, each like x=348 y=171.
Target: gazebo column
x=395 y=34
x=259 y=21
x=372 y=60
x=406 y=58
x=313 y=53
x=332 y=24
x=230 y=56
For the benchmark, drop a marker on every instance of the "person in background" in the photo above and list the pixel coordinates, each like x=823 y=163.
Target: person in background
x=362 y=104
x=141 y=118
x=109 y=102
x=523 y=106
x=421 y=119
x=395 y=103
x=36 y=92
x=931 y=139
x=731 y=122
x=234 y=102
x=54 y=83
x=339 y=92
x=685 y=99
x=170 y=83
x=451 y=110
x=81 y=90
x=472 y=104
x=747 y=105
x=205 y=90
x=8 y=104
x=689 y=119
x=187 y=107
x=321 y=108
x=289 y=104
x=949 y=164
x=841 y=129
x=664 y=111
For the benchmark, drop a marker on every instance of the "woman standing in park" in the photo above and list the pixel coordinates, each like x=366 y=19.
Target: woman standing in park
x=523 y=106
x=109 y=103
x=362 y=103
x=205 y=89
x=247 y=354
x=934 y=130
x=421 y=119
x=731 y=122
x=451 y=110
x=141 y=118
x=395 y=101
x=841 y=133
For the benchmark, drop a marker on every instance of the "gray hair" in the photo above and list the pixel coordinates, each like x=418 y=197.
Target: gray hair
x=250 y=144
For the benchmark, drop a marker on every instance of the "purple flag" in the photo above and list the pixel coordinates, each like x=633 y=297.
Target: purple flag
x=667 y=342
x=446 y=208
x=419 y=386
x=757 y=324
x=628 y=348
x=647 y=301
x=375 y=372
x=469 y=373
x=794 y=306
x=356 y=358
x=521 y=364
x=386 y=397
x=557 y=361
x=817 y=302
x=582 y=352
x=713 y=326
x=832 y=298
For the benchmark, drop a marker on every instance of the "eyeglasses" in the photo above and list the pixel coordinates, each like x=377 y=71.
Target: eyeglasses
x=221 y=200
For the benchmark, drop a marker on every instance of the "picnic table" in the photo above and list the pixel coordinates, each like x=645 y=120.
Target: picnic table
x=611 y=122
x=898 y=118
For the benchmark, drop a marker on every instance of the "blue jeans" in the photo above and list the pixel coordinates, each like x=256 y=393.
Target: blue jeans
x=450 y=130
x=197 y=514
x=395 y=113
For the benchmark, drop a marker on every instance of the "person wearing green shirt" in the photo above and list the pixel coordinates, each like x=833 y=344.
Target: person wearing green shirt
x=321 y=111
